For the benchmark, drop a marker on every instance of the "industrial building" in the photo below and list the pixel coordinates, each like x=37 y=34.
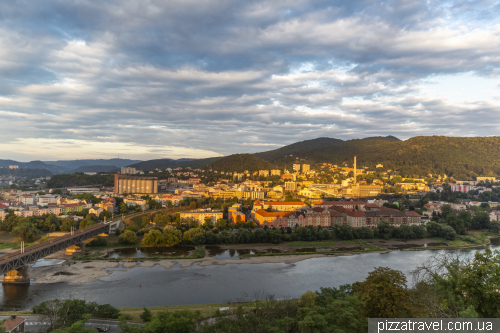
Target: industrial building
x=135 y=185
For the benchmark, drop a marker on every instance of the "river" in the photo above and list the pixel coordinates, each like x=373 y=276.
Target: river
x=217 y=283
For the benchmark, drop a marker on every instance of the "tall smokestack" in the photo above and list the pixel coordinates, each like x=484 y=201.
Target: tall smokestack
x=354 y=169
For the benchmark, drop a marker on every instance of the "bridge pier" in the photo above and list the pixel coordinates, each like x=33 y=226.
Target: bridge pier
x=76 y=249
x=19 y=276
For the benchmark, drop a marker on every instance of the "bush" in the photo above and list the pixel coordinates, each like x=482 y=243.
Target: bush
x=98 y=242
x=146 y=316
x=128 y=237
x=449 y=233
x=470 y=239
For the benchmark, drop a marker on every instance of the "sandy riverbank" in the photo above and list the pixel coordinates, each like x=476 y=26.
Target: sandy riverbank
x=78 y=272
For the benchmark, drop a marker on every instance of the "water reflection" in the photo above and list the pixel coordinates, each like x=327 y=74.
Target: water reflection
x=217 y=252
x=143 y=252
x=47 y=262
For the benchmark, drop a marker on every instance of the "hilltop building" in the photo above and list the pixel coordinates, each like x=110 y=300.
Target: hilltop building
x=128 y=171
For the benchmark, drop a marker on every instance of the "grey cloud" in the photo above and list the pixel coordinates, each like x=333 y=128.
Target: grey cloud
x=233 y=76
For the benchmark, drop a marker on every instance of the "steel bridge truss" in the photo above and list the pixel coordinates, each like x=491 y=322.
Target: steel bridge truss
x=18 y=259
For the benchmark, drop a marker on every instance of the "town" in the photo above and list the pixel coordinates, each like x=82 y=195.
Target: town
x=326 y=195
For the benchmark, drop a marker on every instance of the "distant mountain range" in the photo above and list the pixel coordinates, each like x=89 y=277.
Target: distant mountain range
x=72 y=166
x=461 y=157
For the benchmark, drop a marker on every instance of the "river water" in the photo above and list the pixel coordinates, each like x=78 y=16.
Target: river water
x=217 y=283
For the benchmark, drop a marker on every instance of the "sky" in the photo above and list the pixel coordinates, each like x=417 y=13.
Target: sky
x=152 y=79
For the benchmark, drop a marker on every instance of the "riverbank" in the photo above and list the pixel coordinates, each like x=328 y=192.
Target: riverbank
x=85 y=271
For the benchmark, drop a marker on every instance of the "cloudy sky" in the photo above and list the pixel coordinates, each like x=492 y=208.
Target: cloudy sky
x=170 y=79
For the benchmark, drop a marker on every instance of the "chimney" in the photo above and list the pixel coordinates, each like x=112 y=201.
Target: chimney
x=354 y=169
x=13 y=317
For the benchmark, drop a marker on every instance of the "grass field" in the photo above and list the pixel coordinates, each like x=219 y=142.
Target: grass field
x=310 y=244
x=203 y=308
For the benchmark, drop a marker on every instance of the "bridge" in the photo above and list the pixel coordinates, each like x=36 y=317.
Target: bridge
x=14 y=265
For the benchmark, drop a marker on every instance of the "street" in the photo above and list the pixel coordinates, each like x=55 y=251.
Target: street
x=38 y=324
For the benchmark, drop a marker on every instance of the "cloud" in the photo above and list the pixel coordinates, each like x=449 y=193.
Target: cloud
x=242 y=76
x=84 y=149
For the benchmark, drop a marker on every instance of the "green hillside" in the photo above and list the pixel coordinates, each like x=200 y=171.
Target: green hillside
x=462 y=158
x=298 y=147
x=240 y=163
x=169 y=163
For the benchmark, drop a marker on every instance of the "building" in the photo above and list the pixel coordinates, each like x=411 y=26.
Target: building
x=284 y=206
x=73 y=207
x=132 y=185
x=13 y=167
x=461 y=188
x=133 y=202
x=275 y=172
x=393 y=216
x=271 y=219
x=317 y=217
x=200 y=215
x=263 y=173
x=26 y=199
x=235 y=214
x=306 y=168
x=128 y=171
x=296 y=167
x=290 y=186
x=290 y=176
x=44 y=200
x=491 y=179
x=96 y=211
x=359 y=205
x=14 y=324
x=356 y=219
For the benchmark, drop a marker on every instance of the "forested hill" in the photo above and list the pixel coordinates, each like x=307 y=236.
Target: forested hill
x=303 y=148
x=80 y=179
x=462 y=158
x=170 y=163
x=240 y=163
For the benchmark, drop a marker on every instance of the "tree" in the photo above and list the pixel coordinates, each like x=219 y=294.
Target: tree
x=479 y=282
x=27 y=231
x=146 y=316
x=308 y=299
x=466 y=217
x=123 y=208
x=457 y=224
x=62 y=313
x=208 y=222
x=481 y=220
x=221 y=224
x=434 y=229
x=192 y=205
x=172 y=236
x=162 y=219
x=495 y=226
x=446 y=210
x=67 y=223
x=86 y=222
x=191 y=234
x=448 y=233
x=183 y=321
x=384 y=294
x=127 y=237
x=77 y=327
x=154 y=238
